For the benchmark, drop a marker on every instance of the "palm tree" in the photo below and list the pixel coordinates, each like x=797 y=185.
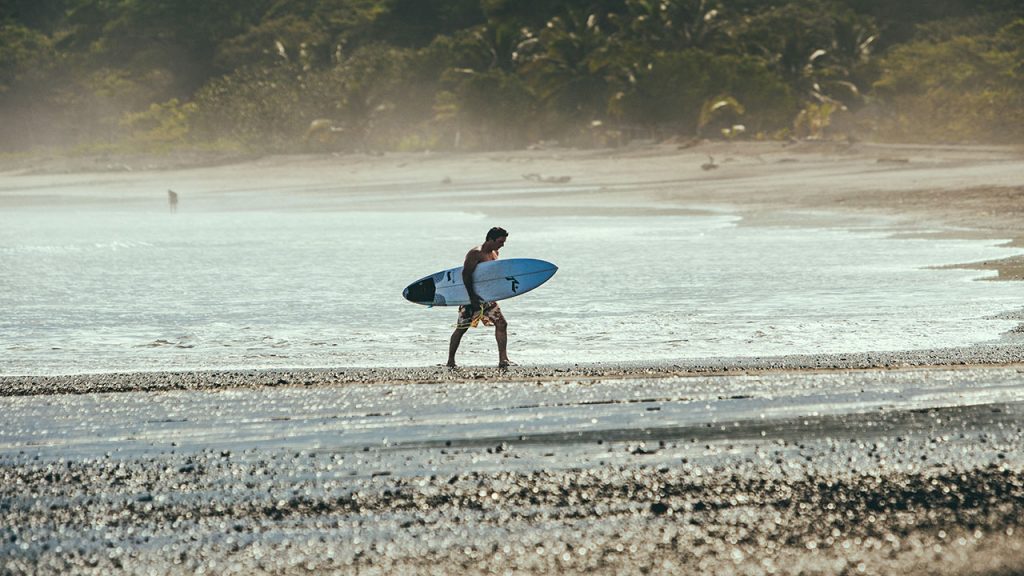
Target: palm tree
x=574 y=69
x=673 y=24
x=817 y=47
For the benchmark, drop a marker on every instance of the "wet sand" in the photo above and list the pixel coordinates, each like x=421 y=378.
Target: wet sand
x=881 y=463
x=984 y=355
x=909 y=471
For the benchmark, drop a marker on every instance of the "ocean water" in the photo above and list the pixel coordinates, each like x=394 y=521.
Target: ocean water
x=101 y=291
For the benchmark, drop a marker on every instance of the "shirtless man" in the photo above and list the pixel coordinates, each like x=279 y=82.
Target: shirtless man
x=479 y=311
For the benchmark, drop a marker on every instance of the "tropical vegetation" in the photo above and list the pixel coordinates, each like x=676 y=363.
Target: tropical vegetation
x=340 y=75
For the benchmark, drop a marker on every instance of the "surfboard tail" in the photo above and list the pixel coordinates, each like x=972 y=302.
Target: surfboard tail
x=421 y=292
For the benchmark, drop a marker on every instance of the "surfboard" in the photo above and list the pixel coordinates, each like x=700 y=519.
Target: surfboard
x=493 y=280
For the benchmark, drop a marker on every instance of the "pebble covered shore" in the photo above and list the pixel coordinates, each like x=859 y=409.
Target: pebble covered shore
x=859 y=470
x=200 y=380
x=744 y=519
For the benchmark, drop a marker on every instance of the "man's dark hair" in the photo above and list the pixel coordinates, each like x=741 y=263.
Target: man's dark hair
x=495 y=233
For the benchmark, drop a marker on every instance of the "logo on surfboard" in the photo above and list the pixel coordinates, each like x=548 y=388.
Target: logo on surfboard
x=515 y=283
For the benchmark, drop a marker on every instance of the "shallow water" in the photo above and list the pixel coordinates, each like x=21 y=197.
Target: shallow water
x=98 y=291
x=407 y=425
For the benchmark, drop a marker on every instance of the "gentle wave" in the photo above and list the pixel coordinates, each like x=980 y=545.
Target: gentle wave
x=68 y=248
x=265 y=290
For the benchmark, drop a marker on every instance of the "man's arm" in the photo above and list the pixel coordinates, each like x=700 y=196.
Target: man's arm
x=472 y=259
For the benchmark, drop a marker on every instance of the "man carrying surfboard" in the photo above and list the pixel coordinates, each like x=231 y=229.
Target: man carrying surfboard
x=478 y=310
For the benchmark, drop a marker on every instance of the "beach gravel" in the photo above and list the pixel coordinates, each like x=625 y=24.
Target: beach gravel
x=880 y=471
x=982 y=355
x=204 y=513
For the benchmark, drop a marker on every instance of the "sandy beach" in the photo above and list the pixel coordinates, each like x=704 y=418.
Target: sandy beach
x=887 y=462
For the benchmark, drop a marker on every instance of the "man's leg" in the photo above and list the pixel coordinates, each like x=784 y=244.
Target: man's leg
x=453 y=346
x=501 y=335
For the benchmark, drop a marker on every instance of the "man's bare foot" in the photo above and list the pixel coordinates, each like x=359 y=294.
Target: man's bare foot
x=504 y=364
x=451 y=366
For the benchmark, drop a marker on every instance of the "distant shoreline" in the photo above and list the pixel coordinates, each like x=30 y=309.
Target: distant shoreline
x=944 y=184
x=57 y=162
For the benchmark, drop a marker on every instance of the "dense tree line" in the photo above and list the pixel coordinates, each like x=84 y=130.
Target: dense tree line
x=291 y=75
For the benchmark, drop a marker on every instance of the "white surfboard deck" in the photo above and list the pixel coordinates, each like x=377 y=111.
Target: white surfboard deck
x=493 y=280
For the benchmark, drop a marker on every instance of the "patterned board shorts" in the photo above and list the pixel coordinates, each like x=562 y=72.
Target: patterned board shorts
x=490 y=315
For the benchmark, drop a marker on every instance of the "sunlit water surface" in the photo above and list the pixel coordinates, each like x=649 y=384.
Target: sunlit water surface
x=106 y=291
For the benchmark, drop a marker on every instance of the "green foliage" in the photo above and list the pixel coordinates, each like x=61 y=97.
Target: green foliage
x=25 y=55
x=160 y=127
x=270 y=108
x=824 y=52
x=313 y=32
x=673 y=25
x=723 y=110
x=675 y=88
x=180 y=36
x=27 y=61
x=260 y=108
x=963 y=89
x=480 y=124
x=415 y=23
x=289 y=38
x=289 y=75
x=34 y=14
x=903 y=21
x=573 y=71
x=813 y=121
